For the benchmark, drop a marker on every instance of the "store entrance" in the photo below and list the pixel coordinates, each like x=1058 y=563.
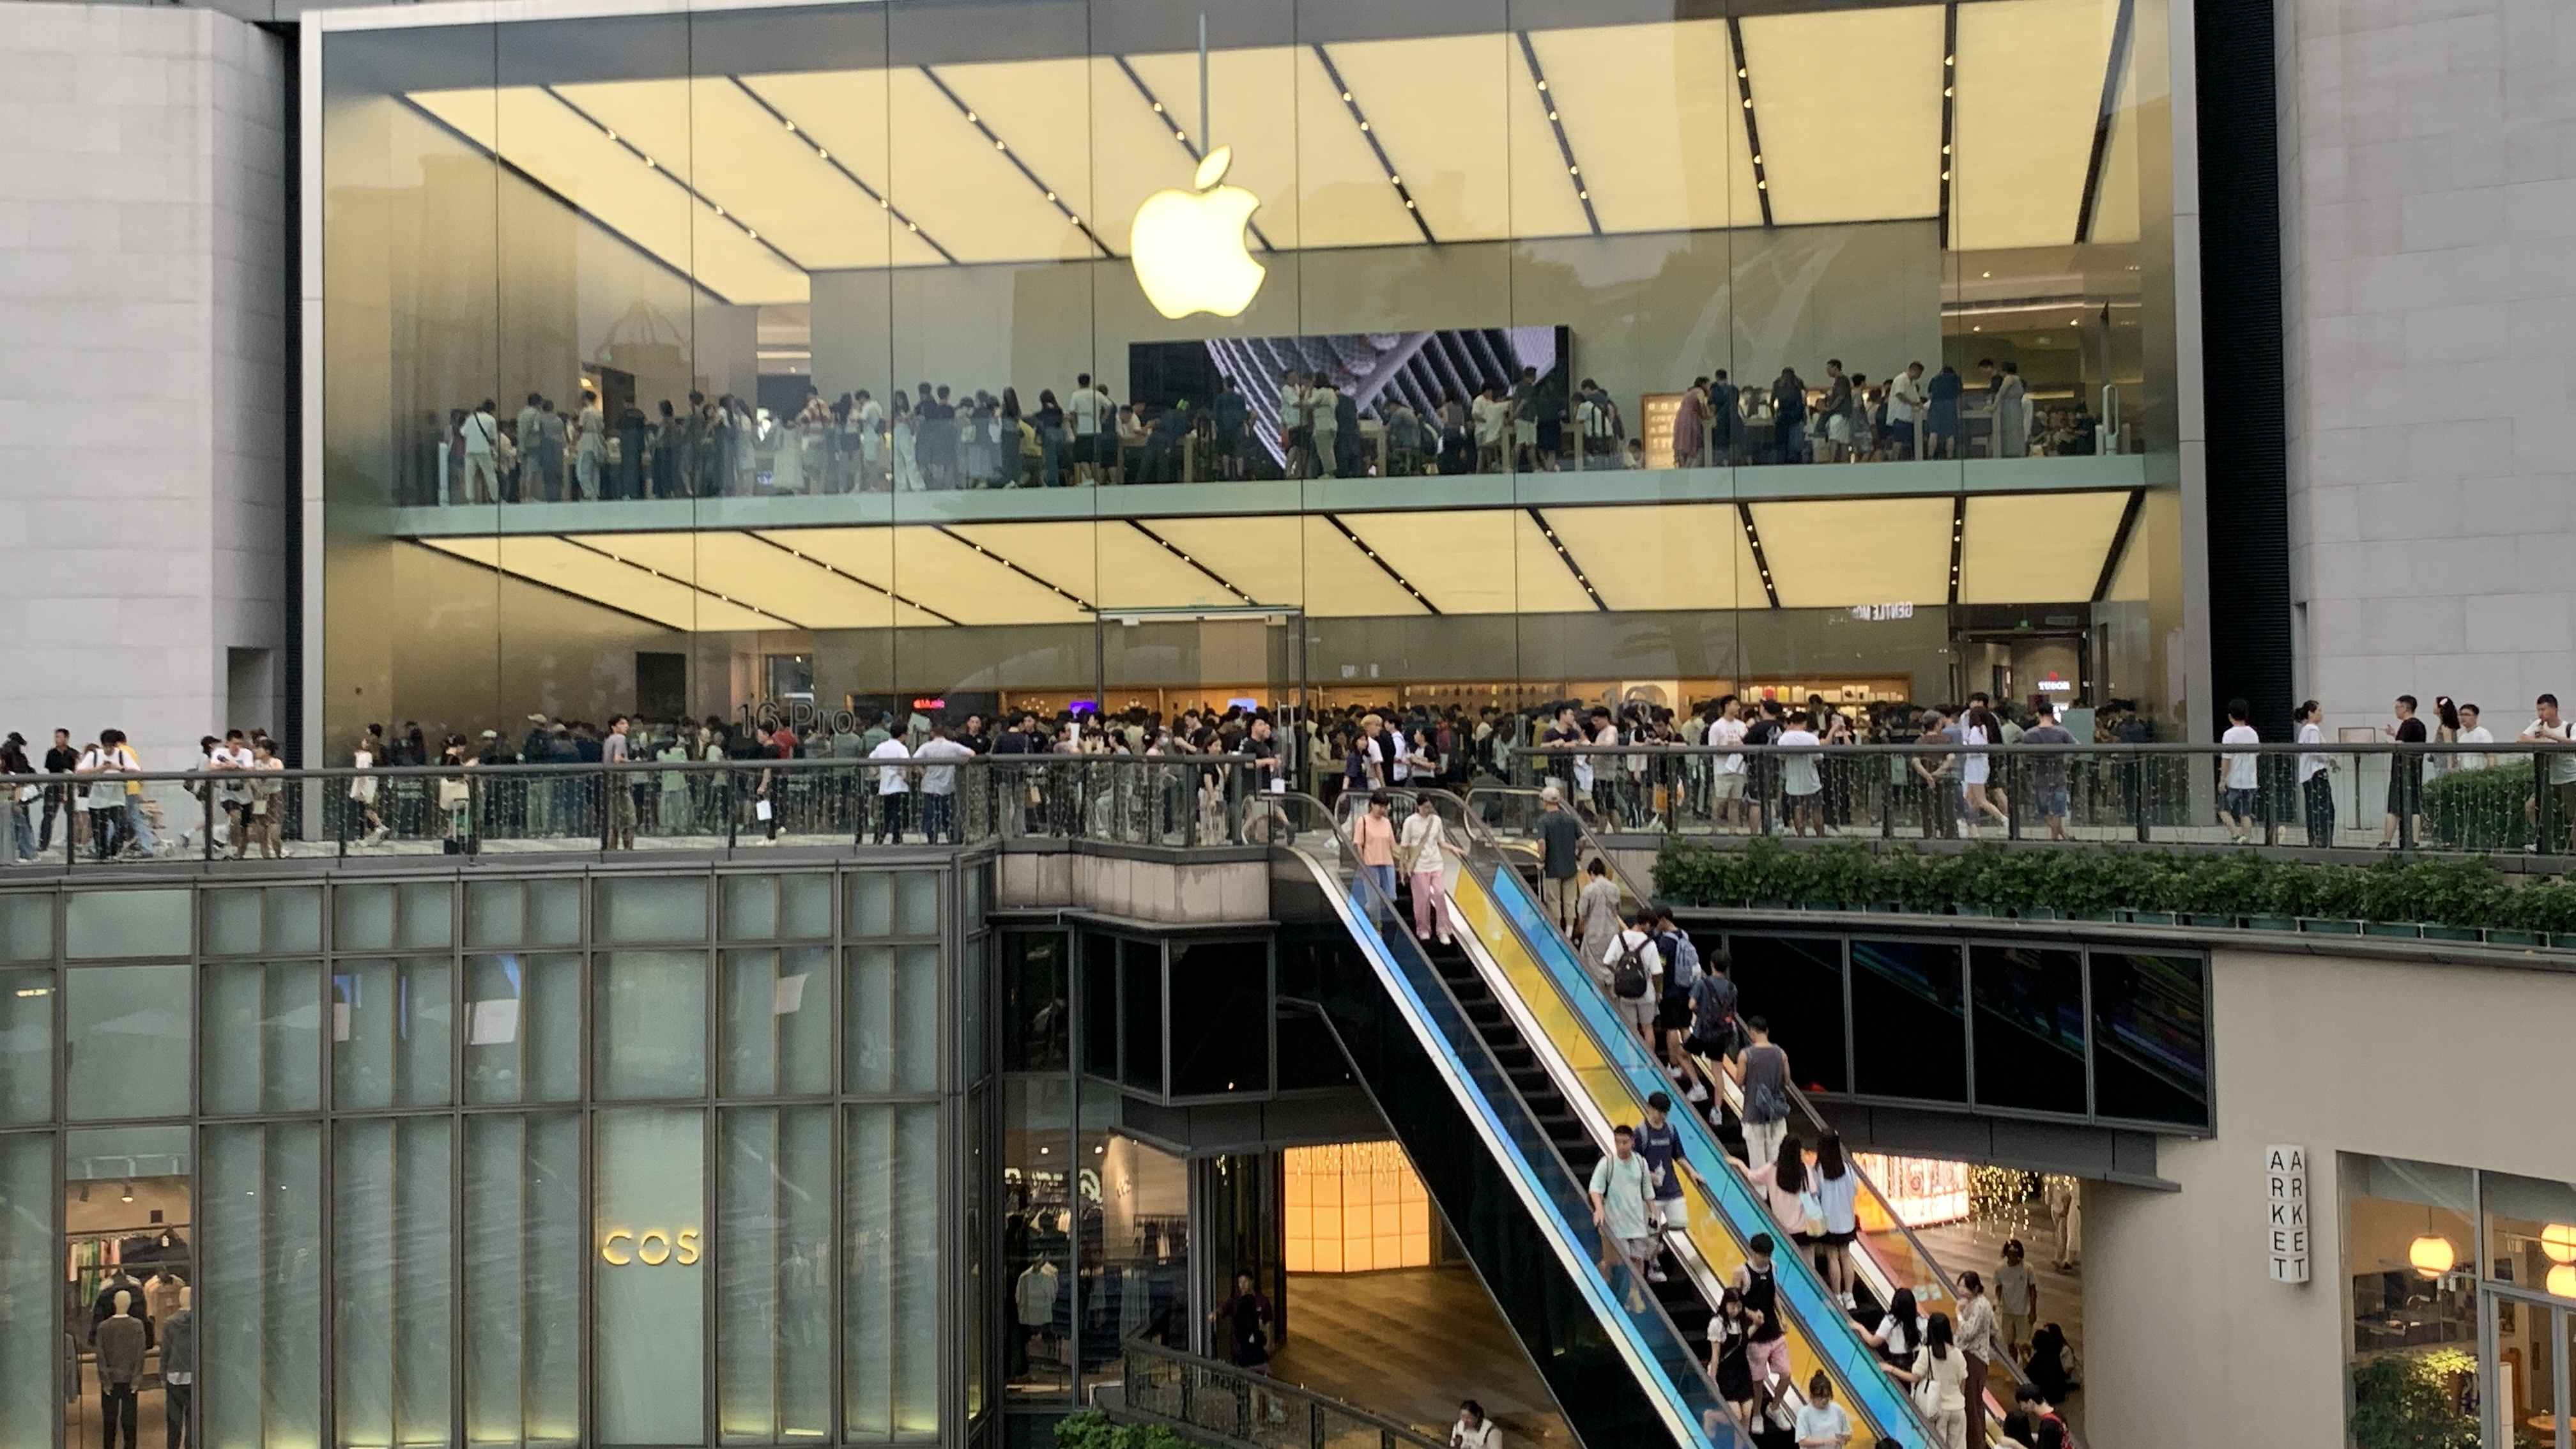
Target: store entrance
x=1171 y=662
x=126 y=1275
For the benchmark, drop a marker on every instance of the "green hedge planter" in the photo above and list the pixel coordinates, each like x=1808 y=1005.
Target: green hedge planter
x=1988 y=880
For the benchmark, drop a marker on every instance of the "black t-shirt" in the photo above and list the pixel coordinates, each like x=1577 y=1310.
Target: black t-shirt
x=2410 y=731
x=61 y=761
x=1561 y=766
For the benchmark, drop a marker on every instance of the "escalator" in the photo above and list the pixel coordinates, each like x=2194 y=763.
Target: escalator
x=1503 y=1098
x=1887 y=1255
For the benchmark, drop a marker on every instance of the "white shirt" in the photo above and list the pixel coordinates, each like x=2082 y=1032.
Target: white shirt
x=1489 y=416
x=1723 y=732
x=2562 y=763
x=2241 y=767
x=1798 y=772
x=1321 y=405
x=2479 y=736
x=1823 y=1424
x=1904 y=397
x=1084 y=408
x=940 y=779
x=1424 y=835
x=890 y=781
x=2309 y=765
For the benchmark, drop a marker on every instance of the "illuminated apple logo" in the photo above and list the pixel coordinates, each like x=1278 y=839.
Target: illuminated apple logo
x=1189 y=252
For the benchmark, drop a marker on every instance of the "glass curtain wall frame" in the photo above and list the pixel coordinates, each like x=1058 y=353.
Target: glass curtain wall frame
x=473 y=1212
x=999 y=257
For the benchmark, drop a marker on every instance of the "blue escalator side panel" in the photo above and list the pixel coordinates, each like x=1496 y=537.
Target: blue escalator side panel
x=1853 y=1361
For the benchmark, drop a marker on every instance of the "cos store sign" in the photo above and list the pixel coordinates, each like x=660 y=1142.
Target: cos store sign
x=649 y=1247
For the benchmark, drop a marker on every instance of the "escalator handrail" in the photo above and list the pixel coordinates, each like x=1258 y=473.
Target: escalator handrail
x=1886 y=1402
x=1798 y=1099
x=1690 y=1425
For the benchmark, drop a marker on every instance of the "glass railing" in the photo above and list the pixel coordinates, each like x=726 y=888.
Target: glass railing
x=1667 y=1364
x=1249 y=1408
x=1887 y=1255
x=85 y=821
x=1605 y=1060
x=2475 y=798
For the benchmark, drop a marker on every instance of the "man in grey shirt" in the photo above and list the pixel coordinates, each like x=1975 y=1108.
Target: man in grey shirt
x=1762 y=1070
x=2048 y=772
x=121 y=1341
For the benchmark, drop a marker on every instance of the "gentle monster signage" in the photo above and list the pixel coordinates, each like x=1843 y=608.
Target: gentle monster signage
x=2285 y=1211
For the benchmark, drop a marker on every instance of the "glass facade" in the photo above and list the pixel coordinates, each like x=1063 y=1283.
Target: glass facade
x=614 y=1159
x=682 y=361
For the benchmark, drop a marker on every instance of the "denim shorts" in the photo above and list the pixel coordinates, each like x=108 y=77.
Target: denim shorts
x=2238 y=803
x=2052 y=801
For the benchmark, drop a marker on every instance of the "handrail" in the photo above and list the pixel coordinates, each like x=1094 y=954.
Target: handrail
x=1437 y=1011
x=1806 y=1109
x=1171 y=1386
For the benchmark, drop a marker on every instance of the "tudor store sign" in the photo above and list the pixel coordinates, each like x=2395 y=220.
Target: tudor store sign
x=2285 y=1212
x=649 y=1247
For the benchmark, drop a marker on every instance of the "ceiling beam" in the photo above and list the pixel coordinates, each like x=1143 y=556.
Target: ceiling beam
x=1564 y=146
x=1350 y=102
x=1176 y=551
x=821 y=153
x=1761 y=562
x=986 y=131
x=1949 y=107
x=690 y=584
x=653 y=163
x=2119 y=543
x=795 y=553
x=1384 y=567
x=2112 y=71
x=1566 y=557
x=1196 y=150
x=1752 y=138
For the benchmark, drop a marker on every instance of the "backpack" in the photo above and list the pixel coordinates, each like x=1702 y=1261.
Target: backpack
x=1765 y=1102
x=1628 y=974
x=1681 y=959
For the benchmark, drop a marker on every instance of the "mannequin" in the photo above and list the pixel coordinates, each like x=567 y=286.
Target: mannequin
x=120 y=1370
x=118 y=1281
x=161 y=1297
x=178 y=1370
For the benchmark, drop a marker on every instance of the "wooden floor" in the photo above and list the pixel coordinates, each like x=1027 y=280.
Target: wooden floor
x=1978 y=1246
x=1411 y=1343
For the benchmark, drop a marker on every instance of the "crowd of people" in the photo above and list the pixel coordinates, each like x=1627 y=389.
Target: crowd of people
x=933 y=436
x=1683 y=1007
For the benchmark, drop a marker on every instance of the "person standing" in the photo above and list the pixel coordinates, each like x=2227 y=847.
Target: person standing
x=2405 y=775
x=613 y=752
x=2316 y=778
x=2012 y=420
x=1619 y=1191
x=1473 y=1430
x=482 y=455
x=1660 y=1143
x=1245 y=1319
x=2548 y=729
x=590 y=447
x=1977 y=1346
x=894 y=789
x=939 y=784
x=22 y=831
x=1822 y=1424
x=1761 y=1070
x=1426 y=864
x=1801 y=787
x=1940 y=1378
x=534 y=484
x=1941 y=413
x=2240 y=777
x=1324 y=425
x=1373 y=837
x=2048 y=772
x=1082 y=409
x=2473 y=731
x=1757 y=1281
x=1906 y=401
x=61 y=759
x=2016 y=1301
x=2065 y=1201
x=1837 y=1190
x=1560 y=841
x=1690 y=424
x=1490 y=415
x=1596 y=918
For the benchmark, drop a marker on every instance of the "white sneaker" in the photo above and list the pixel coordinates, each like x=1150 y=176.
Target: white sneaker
x=1697 y=1093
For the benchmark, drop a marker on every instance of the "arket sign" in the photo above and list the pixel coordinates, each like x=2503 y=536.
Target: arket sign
x=2285 y=1205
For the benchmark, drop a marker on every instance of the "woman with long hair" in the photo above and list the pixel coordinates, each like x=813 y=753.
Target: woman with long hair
x=1782 y=1184
x=1980 y=727
x=907 y=444
x=1837 y=1191
x=1730 y=1333
x=1939 y=1375
x=1899 y=1334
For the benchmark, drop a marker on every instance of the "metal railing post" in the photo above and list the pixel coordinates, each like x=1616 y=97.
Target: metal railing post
x=2544 y=811
x=2012 y=796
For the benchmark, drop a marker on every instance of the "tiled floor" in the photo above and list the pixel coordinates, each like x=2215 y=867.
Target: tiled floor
x=1978 y=1245
x=1409 y=1344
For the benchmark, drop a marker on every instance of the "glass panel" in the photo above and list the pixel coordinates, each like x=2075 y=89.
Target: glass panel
x=263 y=1037
x=232 y=923
x=495 y=913
x=2151 y=1037
x=648 y=1332
x=1909 y=1033
x=1100 y=1005
x=651 y=909
x=2409 y=1237
x=894 y=1019
x=260 y=1354
x=522 y=1028
x=392 y=1294
x=27 y=927
x=1140 y=967
x=2029 y=1028
x=126 y=1041
x=31 y=1268
x=762 y=907
x=425 y=921
x=390 y=1033
x=2531 y=1232
x=363 y=917
x=1035 y=1001
x=554 y=912
x=774 y=1309
x=1221 y=1017
x=916 y=903
x=99 y=924
x=27 y=1046
x=1796 y=985
x=892 y=1200
x=1037 y=1238
x=871 y=904
x=523 y=1246
x=778 y=1022
x=649 y=1023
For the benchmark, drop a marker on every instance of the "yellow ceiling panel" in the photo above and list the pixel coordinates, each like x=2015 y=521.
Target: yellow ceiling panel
x=1260 y=555
x=1663 y=556
x=1480 y=561
x=1344 y=583
x=1650 y=112
x=1344 y=198
x=1137 y=572
x=1252 y=107
x=1543 y=199
x=743 y=566
x=562 y=564
x=1829 y=555
x=2030 y=89
x=845 y=112
x=1133 y=153
x=929 y=569
x=1439 y=107
x=957 y=187
x=2036 y=547
x=2129 y=581
x=1849 y=103
x=1042 y=110
x=2115 y=204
